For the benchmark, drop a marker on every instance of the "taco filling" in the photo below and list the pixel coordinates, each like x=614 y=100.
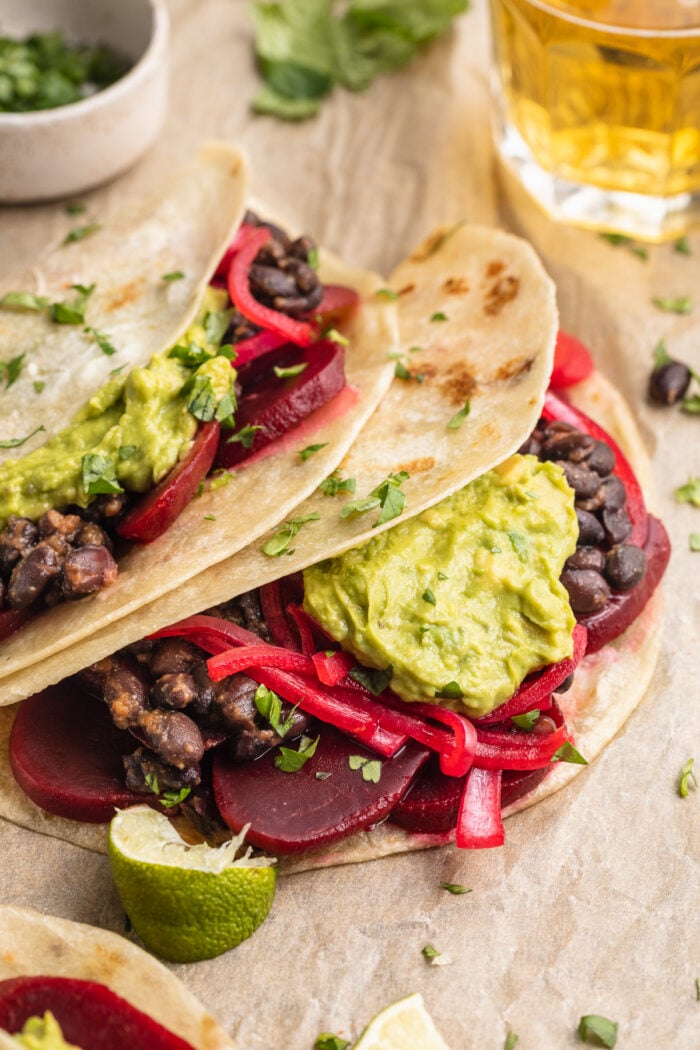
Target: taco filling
x=262 y=355
x=413 y=679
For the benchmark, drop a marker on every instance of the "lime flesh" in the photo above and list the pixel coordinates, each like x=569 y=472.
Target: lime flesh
x=404 y=1025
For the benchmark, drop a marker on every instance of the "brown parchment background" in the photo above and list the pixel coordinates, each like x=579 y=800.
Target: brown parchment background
x=592 y=905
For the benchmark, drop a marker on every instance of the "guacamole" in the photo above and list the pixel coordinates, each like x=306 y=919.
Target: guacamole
x=134 y=430
x=43 y=1033
x=463 y=600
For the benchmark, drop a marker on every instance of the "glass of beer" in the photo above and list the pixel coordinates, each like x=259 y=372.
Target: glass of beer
x=599 y=109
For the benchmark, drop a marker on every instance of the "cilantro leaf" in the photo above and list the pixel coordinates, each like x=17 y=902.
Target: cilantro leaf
x=216 y=325
x=598 y=1031
x=459 y=417
x=451 y=691
x=202 y=403
x=429 y=597
x=304 y=453
x=10 y=370
x=80 y=232
x=328 y=1041
x=691 y=405
x=682 y=304
x=526 y=720
x=98 y=475
x=289 y=761
x=387 y=293
x=16 y=442
x=370 y=768
x=334 y=484
x=292 y=370
x=439 y=316
x=511 y=1041
x=39 y=385
x=568 y=753
x=75 y=208
x=455 y=888
x=102 y=340
x=73 y=312
x=23 y=301
x=519 y=544
x=686 y=778
x=371 y=678
x=284 y=534
x=401 y=372
x=174 y=798
x=689 y=493
x=176 y=275
x=387 y=495
x=127 y=451
x=246 y=436
x=694 y=541
x=682 y=246
x=661 y=354
x=269 y=705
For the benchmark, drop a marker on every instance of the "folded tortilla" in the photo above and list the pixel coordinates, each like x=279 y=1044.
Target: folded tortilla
x=143 y=315
x=34 y=944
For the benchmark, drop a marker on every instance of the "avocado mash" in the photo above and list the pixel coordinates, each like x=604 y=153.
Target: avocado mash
x=464 y=600
x=134 y=428
x=43 y=1033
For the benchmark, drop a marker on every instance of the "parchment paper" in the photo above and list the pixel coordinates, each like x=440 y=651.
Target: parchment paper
x=592 y=905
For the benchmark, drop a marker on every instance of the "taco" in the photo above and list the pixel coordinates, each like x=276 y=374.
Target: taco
x=174 y=383
x=100 y=990
x=438 y=495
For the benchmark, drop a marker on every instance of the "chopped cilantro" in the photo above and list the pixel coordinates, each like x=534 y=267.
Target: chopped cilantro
x=689 y=493
x=328 y=1041
x=176 y=275
x=127 y=451
x=304 y=453
x=519 y=544
x=202 y=403
x=439 y=316
x=456 y=888
x=75 y=208
x=568 y=753
x=442 y=576
x=371 y=678
x=269 y=705
x=598 y=1031
x=289 y=761
x=322 y=776
x=694 y=541
x=429 y=597
x=621 y=240
x=292 y=370
x=686 y=778
x=16 y=442
x=174 y=798
x=371 y=769
x=682 y=246
x=661 y=354
x=246 y=436
x=526 y=720
x=451 y=691
x=511 y=1041
x=401 y=372
x=459 y=417
x=216 y=325
x=209 y=517
x=226 y=407
x=429 y=952
x=10 y=370
x=387 y=495
x=312 y=258
x=99 y=475
x=24 y=301
x=387 y=293
x=80 y=232
x=334 y=484
x=192 y=355
x=336 y=337
x=284 y=534
x=102 y=340
x=691 y=405
x=39 y=385
x=218 y=479
x=682 y=304
x=73 y=312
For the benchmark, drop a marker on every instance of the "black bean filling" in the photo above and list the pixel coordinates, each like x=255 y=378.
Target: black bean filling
x=603 y=562
x=282 y=276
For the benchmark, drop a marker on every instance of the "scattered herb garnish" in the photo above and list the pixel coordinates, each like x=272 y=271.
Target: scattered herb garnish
x=79 y=233
x=691 y=405
x=598 y=1031
x=328 y=1041
x=209 y=517
x=387 y=293
x=75 y=208
x=568 y=753
x=697 y=989
x=694 y=541
x=312 y=258
x=334 y=484
x=370 y=768
x=39 y=385
x=372 y=678
x=284 y=534
x=126 y=451
x=219 y=478
x=429 y=952
x=686 y=778
x=291 y=370
x=401 y=372
x=682 y=246
x=24 y=301
x=451 y=691
x=174 y=798
x=387 y=495
x=439 y=316
x=526 y=720
x=459 y=417
x=16 y=442
x=455 y=888
x=246 y=436
x=99 y=475
x=289 y=761
x=270 y=707
x=176 y=275
x=689 y=493
x=675 y=305
x=304 y=453
x=216 y=324
x=511 y=1041
x=322 y=776
x=334 y=336
x=519 y=544
x=102 y=340
x=429 y=597
x=661 y=354
x=202 y=403
x=10 y=370
x=73 y=312
x=621 y=240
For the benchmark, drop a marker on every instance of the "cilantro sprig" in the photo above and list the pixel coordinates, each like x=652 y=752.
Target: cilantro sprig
x=285 y=533
x=387 y=496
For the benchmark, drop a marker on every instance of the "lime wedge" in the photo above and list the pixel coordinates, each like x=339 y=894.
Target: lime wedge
x=405 y=1025
x=186 y=902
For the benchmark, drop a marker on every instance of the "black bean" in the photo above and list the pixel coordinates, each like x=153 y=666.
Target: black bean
x=669 y=382
x=269 y=281
x=302 y=248
x=90 y=534
x=617 y=525
x=142 y=764
x=614 y=492
x=172 y=655
x=205 y=690
x=174 y=691
x=586 y=558
x=32 y=576
x=124 y=691
x=590 y=532
x=16 y=539
x=584 y=482
x=86 y=570
x=567 y=444
x=588 y=591
x=601 y=459
x=53 y=522
x=594 y=503
x=173 y=736
x=564 y=686
x=625 y=567
x=531 y=447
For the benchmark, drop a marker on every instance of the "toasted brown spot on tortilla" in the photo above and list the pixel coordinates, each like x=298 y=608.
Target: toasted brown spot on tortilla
x=407 y=289
x=500 y=293
x=431 y=244
x=127 y=293
x=459 y=383
x=417 y=466
x=514 y=369
x=494 y=268
x=456 y=286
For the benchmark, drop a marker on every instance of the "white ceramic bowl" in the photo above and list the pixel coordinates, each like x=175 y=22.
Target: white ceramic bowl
x=60 y=152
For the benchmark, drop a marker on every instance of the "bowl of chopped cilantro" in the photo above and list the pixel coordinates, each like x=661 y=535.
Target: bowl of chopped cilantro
x=83 y=88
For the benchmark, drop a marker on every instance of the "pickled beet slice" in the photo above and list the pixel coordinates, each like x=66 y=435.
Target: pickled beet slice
x=11 y=620
x=89 y=1014
x=622 y=609
x=290 y=812
x=154 y=513
x=66 y=755
x=284 y=402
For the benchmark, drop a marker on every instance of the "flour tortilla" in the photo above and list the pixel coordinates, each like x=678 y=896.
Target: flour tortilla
x=219 y=523
x=34 y=944
x=494 y=348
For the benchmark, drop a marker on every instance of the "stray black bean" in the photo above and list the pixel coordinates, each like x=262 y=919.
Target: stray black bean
x=669 y=382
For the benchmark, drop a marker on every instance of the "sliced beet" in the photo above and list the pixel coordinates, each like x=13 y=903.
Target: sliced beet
x=516 y=783
x=284 y=402
x=89 y=1014
x=289 y=812
x=431 y=803
x=11 y=620
x=66 y=755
